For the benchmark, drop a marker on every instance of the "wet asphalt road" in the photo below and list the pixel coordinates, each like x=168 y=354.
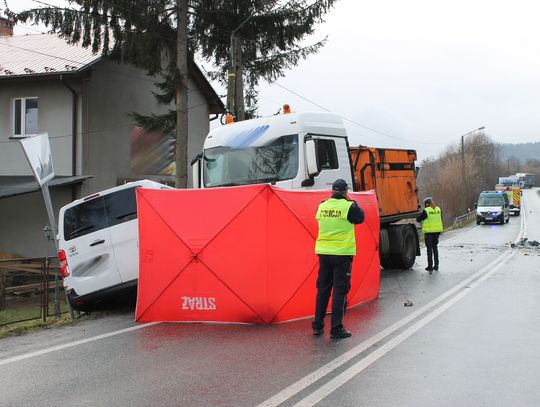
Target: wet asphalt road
x=472 y=338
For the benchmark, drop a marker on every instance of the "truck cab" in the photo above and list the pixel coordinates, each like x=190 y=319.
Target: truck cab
x=291 y=151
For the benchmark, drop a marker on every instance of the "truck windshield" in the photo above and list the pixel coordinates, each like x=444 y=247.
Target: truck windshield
x=276 y=161
x=490 y=201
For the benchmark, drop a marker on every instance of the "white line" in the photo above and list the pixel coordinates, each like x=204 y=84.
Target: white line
x=443 y=242
x=523 y=224
x=358 y=367
x=71 y=344
x=311 y=378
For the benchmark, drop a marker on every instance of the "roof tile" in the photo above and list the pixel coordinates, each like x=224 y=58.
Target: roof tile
x=41 y=54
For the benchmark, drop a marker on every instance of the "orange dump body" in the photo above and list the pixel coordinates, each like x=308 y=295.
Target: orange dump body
x=392 y=174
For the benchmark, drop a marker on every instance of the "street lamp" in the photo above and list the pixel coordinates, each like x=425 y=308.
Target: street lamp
x=463 y=179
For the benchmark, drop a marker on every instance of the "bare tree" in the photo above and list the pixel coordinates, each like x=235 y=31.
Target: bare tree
x=441 y=177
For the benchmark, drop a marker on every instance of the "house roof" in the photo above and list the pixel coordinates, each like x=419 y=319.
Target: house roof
x=42 y=55
x=12 y=185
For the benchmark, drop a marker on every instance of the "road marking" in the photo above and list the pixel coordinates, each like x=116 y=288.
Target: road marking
x=443 y=242
x=329 y=387
x=316 y=375
x=523 y=223
x=72 y=344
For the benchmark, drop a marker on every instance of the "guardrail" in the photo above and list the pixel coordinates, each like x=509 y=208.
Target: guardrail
x=462 y=220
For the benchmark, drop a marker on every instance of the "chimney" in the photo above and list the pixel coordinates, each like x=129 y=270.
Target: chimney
x=6 y=27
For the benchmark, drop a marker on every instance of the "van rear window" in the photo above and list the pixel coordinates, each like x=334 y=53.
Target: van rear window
x=99 y=213
x=85 y=218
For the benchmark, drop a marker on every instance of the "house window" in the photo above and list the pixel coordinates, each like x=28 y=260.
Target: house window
x=25 y=116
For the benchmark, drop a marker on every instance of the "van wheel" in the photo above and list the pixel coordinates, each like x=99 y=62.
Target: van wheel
x=502 y=220
x=507 y=219
x=477 y=222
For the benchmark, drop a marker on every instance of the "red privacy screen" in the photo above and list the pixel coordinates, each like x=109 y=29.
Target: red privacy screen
x=240 y=254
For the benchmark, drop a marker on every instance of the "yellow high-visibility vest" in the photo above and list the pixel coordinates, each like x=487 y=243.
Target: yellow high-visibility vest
x=433 y=223
x=336 y=233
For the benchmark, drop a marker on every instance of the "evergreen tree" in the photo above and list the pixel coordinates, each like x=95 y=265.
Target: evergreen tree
x=268 y=32
x=156 y=35
x=149 y=34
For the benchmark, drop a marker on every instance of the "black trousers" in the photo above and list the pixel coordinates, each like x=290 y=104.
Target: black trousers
x=432 y=240
x=334 y=278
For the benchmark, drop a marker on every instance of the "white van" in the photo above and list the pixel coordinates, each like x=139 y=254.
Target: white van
x=99 y=244
x=492 y=206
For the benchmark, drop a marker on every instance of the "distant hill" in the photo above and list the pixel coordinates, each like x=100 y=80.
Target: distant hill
x=521 y=151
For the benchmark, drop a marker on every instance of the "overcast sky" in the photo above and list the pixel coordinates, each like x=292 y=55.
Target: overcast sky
x=423 y=72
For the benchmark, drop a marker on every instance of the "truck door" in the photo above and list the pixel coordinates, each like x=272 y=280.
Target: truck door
x=332 y=160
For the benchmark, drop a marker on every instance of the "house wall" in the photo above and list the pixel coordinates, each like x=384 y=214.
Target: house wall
x=105 y=98
x=54 y=117
x=23 y=217
x=109 y=96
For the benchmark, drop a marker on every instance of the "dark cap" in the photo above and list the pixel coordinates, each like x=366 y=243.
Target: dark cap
x=340 y=185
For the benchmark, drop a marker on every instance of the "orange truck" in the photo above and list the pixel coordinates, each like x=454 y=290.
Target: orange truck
x=310 y=151
x=392 y=174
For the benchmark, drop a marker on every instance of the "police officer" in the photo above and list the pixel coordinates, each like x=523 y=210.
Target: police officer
x=432 y=226
x=336 y=246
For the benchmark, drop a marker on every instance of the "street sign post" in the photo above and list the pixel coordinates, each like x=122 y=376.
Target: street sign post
x=38 y=152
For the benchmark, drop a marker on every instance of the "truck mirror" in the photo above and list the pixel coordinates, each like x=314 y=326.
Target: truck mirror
x=475 y=206
x=196 y=171
x=308 y=182
x=311 y=158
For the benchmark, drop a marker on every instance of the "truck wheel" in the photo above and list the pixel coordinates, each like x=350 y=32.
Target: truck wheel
x=402 y=246
x=387 y=263
x=517 y=213
x=384 y=249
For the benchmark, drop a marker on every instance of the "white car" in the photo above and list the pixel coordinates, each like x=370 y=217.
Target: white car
x=98 y=244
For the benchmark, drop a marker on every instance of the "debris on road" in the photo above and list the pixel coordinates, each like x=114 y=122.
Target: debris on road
x=525 y=243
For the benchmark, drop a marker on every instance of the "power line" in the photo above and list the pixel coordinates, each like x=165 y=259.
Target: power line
x=353 y=121
x=85 y=133
x=43 y=54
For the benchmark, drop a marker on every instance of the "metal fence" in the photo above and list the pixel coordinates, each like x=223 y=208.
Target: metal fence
x=30 y=289
x=463 y=220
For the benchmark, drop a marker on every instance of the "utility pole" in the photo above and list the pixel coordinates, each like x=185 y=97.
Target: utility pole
x=235 y=83
x=463 y=177
x=231 y=80
x=239 y=88
x=181 y=94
